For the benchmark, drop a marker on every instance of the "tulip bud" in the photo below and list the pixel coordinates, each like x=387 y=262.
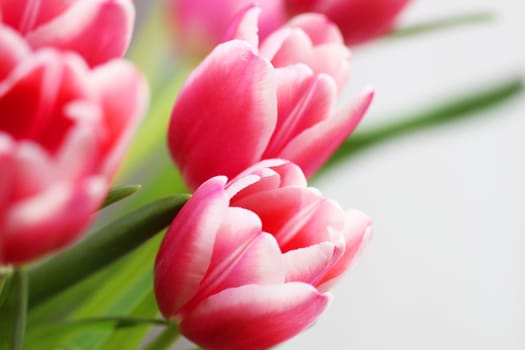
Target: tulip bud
x=247 y=263
x=63 y=131
x=247 y=102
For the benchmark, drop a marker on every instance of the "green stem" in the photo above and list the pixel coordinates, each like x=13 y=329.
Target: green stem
x=119 y=192
x=450 y=111
x=165 y=339
x=102 y=248
x=22 y=287
x=5 y=272
x=442 y=23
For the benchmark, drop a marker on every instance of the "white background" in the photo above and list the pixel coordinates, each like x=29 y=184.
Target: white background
x=446 y=266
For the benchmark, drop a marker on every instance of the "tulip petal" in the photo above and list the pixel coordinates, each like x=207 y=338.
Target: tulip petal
x=283 y=211
x=98 y=30
x=224 y=115
x=311 y=264
x=244 y=26
x=12 y=50
x=357 y=231
x=121 y=115
x=311 y=148
x=25 y=15
x=326 y=223
x=187 y=248
x=319 y=28
x=254 y=317
x=313 y=103
x=51 y=219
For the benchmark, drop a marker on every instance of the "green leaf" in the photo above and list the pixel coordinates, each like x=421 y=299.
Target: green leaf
x=118 y=193
x=13 y=311
x=165 y=339
x=447 y=112
x=442 y=23
x=102 y=248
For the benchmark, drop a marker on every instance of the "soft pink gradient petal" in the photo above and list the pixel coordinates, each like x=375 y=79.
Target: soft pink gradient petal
x=319 y=28
x=98 y=30
x=314 y=146
x=187 y=248
x=356 y=232
x=283 y=211
x=314 y=103
x=59 y=214
x=358 y=20
x=311 y=264
x=12 y=50
x=121 y=116
x=224 y=115
x=257 y=261
x=254 y=317
x=324 y=224
x=244 y=26
x=25 y=15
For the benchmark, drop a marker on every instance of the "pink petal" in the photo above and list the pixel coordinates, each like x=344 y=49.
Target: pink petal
x=50 y=220
x=324 y=224
x=254 y=317
x=12 y=50
x=256 y=261
x=319 y=28
x=265 y=175
x=34 y=92
x=25 y=15
x=124 y=97
x=314 y=102
x=357 y=231
x=98 y=30
x=187 y=248
x=224 y=115
x=311 y=264
x=244 y=26
x=283 y=211
x=312 y=148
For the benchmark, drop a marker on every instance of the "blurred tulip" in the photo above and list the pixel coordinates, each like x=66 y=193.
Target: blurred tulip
x=201 y=24
x=98 y=30
x=358 y=20
x=246 y=263
x=247 y=102
x=63 y=132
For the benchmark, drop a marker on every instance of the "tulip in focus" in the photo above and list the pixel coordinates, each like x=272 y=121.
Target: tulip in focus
x=358 y=20
x=247 y=102
x=63 y=131
x=98 y=30
x=246 y=264
x=202 y=24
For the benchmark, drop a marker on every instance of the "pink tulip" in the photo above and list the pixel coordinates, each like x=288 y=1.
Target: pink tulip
x=246 y=264
x=247 y=102
x=199 y=25
x=63 y=131
x=98 y=30
x=359 y=20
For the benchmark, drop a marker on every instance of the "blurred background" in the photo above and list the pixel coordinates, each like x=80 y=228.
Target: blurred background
x=446 y=266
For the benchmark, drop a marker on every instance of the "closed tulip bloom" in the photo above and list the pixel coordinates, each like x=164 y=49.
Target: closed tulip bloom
x=200 y=25
x=246 y=264
x=63 y=131
x=247 y=102
x=359 y=20
x=98 y=30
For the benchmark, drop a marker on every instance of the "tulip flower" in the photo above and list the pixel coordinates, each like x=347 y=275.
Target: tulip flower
x=358 y=20
x=247 y=102
x=98 y=30
x=200 y=25
x=247 y=264
x=63 y=131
